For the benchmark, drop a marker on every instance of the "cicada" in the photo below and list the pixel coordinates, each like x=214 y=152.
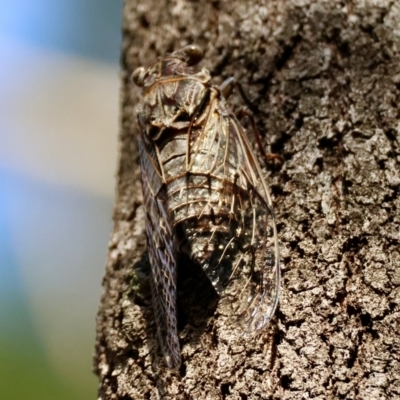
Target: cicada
x=204 y=195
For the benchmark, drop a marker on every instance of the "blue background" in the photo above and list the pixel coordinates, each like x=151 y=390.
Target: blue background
x=58 y=88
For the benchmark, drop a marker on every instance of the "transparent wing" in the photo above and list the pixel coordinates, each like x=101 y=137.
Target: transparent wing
x=161 y=248
x=261 y=273
x=234 y=236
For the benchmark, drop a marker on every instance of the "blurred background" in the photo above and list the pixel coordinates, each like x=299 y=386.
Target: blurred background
x=58 y=152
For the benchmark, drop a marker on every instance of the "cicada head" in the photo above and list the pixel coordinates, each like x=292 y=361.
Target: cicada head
x=176 y=63
x=172 y=89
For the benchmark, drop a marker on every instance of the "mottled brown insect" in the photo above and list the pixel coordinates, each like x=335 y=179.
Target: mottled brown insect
x=204 y=195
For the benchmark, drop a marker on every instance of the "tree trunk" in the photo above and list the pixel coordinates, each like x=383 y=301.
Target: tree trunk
x=326 y=77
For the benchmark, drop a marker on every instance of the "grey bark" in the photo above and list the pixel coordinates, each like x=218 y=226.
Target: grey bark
x=326 y=76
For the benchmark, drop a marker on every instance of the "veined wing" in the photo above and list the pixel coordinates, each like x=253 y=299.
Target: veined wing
x=161 y=248
x=238 y=237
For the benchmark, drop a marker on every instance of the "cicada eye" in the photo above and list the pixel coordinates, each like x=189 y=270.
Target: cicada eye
x=138 y=76
x=194 y=54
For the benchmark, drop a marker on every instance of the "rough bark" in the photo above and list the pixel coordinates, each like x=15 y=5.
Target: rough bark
x=326 y=75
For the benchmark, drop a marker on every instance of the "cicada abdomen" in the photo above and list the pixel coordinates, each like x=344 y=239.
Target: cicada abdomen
x=204 y=194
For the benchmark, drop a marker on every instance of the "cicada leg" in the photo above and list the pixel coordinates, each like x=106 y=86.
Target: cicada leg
x=226 y=89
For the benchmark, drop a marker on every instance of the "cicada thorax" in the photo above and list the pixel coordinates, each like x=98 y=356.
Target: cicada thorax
x=172 y=93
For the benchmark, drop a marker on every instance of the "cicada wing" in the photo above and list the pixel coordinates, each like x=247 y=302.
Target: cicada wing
x=161 y=248
x=241 y=237
x=253 y=288
x=259 y=296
